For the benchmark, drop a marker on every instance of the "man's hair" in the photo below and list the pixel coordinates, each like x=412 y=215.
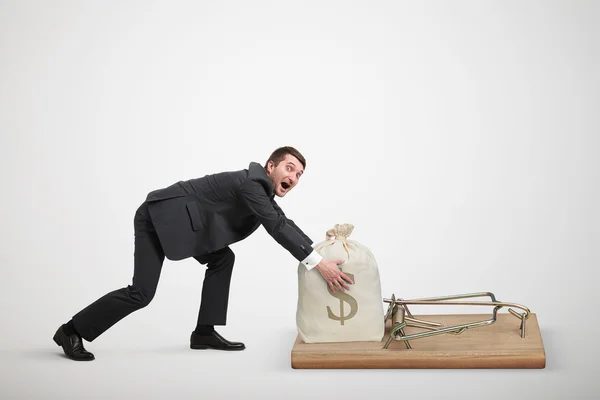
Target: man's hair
x=279 y=155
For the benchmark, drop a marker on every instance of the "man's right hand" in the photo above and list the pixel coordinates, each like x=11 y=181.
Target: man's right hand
x=332 y=274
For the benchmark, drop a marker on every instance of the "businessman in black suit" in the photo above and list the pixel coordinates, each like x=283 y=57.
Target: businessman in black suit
x=200 y=218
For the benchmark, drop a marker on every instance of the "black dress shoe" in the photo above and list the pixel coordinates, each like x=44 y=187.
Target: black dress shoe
x=213 y=341
x=72 y=346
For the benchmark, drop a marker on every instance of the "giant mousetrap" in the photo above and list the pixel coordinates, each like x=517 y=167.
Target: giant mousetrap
x=494 y=340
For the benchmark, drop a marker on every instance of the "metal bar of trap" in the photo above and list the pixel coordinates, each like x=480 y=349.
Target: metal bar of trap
x=457 y=329
x=442 y=301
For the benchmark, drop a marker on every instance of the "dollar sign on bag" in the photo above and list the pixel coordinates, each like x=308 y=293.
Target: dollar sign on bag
x=344 y=297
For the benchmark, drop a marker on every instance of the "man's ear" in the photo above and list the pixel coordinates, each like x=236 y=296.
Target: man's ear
x=270 y=166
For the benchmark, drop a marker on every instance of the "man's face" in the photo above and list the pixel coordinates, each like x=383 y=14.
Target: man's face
x=285 y=175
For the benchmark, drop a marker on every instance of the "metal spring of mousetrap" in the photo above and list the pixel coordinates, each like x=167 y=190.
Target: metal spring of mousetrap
x=402 y=317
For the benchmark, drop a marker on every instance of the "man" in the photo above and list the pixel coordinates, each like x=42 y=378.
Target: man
x=200 y=218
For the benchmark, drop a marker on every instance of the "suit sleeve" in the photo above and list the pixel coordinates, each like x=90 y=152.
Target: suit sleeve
x=253 y=195
x=280 y=211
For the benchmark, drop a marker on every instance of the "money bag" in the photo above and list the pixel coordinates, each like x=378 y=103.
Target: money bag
x=352 y=315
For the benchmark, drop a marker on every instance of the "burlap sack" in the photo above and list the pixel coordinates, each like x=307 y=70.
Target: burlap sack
x=351 y=316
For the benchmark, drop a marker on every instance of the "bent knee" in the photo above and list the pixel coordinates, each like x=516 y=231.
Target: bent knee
x=230 y=255
x=225 y=254
x=139 y=296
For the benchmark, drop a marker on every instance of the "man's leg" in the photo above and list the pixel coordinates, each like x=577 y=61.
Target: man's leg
x=99 y=316
x=214 y=301
x=215 y=289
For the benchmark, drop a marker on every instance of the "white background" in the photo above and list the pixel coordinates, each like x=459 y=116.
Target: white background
x=460 y=138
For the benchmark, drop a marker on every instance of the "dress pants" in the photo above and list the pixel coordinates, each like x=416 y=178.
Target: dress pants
x=149 y=256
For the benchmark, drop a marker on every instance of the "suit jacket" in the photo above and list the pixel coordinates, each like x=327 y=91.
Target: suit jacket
x=206 y=214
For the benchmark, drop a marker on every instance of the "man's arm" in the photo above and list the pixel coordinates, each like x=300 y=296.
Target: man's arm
x=313 y=258
x=280 y=211
x=253 y=195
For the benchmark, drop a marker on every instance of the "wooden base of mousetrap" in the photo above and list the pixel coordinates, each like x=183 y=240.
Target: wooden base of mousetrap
x=498 y=345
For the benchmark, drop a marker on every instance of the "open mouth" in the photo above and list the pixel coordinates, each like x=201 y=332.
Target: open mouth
x=285 y=185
